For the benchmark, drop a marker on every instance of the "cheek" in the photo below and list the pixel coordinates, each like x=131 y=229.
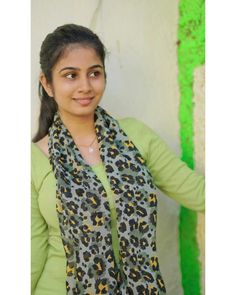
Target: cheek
x=61 y=90
x=100 y=86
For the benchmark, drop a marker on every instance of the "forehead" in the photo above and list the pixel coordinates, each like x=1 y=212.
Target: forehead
x=78 y=56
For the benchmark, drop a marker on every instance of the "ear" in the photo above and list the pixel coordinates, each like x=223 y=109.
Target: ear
x=47 y=87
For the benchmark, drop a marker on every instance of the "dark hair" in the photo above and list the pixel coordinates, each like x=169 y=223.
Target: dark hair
x=53 y=47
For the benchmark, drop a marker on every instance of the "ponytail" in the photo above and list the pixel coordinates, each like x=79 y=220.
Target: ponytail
x=47 y=111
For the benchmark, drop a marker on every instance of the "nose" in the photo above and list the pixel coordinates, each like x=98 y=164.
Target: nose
x=84 y=84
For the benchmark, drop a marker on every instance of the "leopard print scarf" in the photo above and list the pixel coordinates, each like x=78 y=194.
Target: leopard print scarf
x=85 y=219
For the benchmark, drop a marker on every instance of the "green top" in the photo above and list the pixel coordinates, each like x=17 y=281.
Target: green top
x=170 y=174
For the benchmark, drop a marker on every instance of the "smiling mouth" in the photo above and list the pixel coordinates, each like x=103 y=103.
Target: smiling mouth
x=84 y=101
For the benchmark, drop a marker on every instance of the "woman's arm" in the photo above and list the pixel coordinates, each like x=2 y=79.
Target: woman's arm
x=174 y=177
x=171 y=175
x=39 y=240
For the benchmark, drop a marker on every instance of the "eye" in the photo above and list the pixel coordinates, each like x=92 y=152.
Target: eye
x=94 y=74
x=70 y=76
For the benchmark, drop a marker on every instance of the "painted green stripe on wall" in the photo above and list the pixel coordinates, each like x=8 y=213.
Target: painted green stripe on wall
x=191 y=54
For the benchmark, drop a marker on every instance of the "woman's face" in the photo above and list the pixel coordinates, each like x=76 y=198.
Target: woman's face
x=78 y=82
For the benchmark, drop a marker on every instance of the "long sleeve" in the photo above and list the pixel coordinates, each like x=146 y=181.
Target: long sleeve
x=174 y=177
x=39 y=240
x=170 y=174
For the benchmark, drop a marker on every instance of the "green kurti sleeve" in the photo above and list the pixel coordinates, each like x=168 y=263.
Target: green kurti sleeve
x=39 y=239
x=174 y=177
x=171 y=175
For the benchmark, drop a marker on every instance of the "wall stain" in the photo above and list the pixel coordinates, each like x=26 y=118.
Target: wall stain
x=97 y=11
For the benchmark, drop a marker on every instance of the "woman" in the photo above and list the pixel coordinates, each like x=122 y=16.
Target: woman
x=94 y=180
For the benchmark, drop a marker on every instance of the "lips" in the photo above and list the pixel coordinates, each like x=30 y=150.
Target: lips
x=83 y=101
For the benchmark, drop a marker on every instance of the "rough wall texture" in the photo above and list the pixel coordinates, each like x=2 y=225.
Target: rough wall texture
x=191 y=54
x=199 y=155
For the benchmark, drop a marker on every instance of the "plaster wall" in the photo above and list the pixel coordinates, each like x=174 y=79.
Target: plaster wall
x=199 y=155
x=141 y=66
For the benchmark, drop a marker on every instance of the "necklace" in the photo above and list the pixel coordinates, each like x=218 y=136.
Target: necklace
x=90 y=148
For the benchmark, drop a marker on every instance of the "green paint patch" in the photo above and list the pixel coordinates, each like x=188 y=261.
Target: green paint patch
x=189 y=252
x=191 y=54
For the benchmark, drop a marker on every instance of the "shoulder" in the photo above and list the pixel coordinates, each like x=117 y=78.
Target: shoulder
x=145 y=138
x=141 y=134
x=130 y=122
x=42 y=144
x=133 y=126
x=40 y=165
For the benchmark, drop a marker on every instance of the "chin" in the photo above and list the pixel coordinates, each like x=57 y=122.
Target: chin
x=85 y=112
x=78 y=111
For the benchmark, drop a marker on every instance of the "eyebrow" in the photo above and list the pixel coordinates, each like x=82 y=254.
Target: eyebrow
x=78 y=69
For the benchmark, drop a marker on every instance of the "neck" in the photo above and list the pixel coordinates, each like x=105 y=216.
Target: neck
x=79 y=126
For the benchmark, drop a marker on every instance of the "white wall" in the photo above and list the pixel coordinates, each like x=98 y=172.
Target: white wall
x=140 y=37
x=199 y=155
